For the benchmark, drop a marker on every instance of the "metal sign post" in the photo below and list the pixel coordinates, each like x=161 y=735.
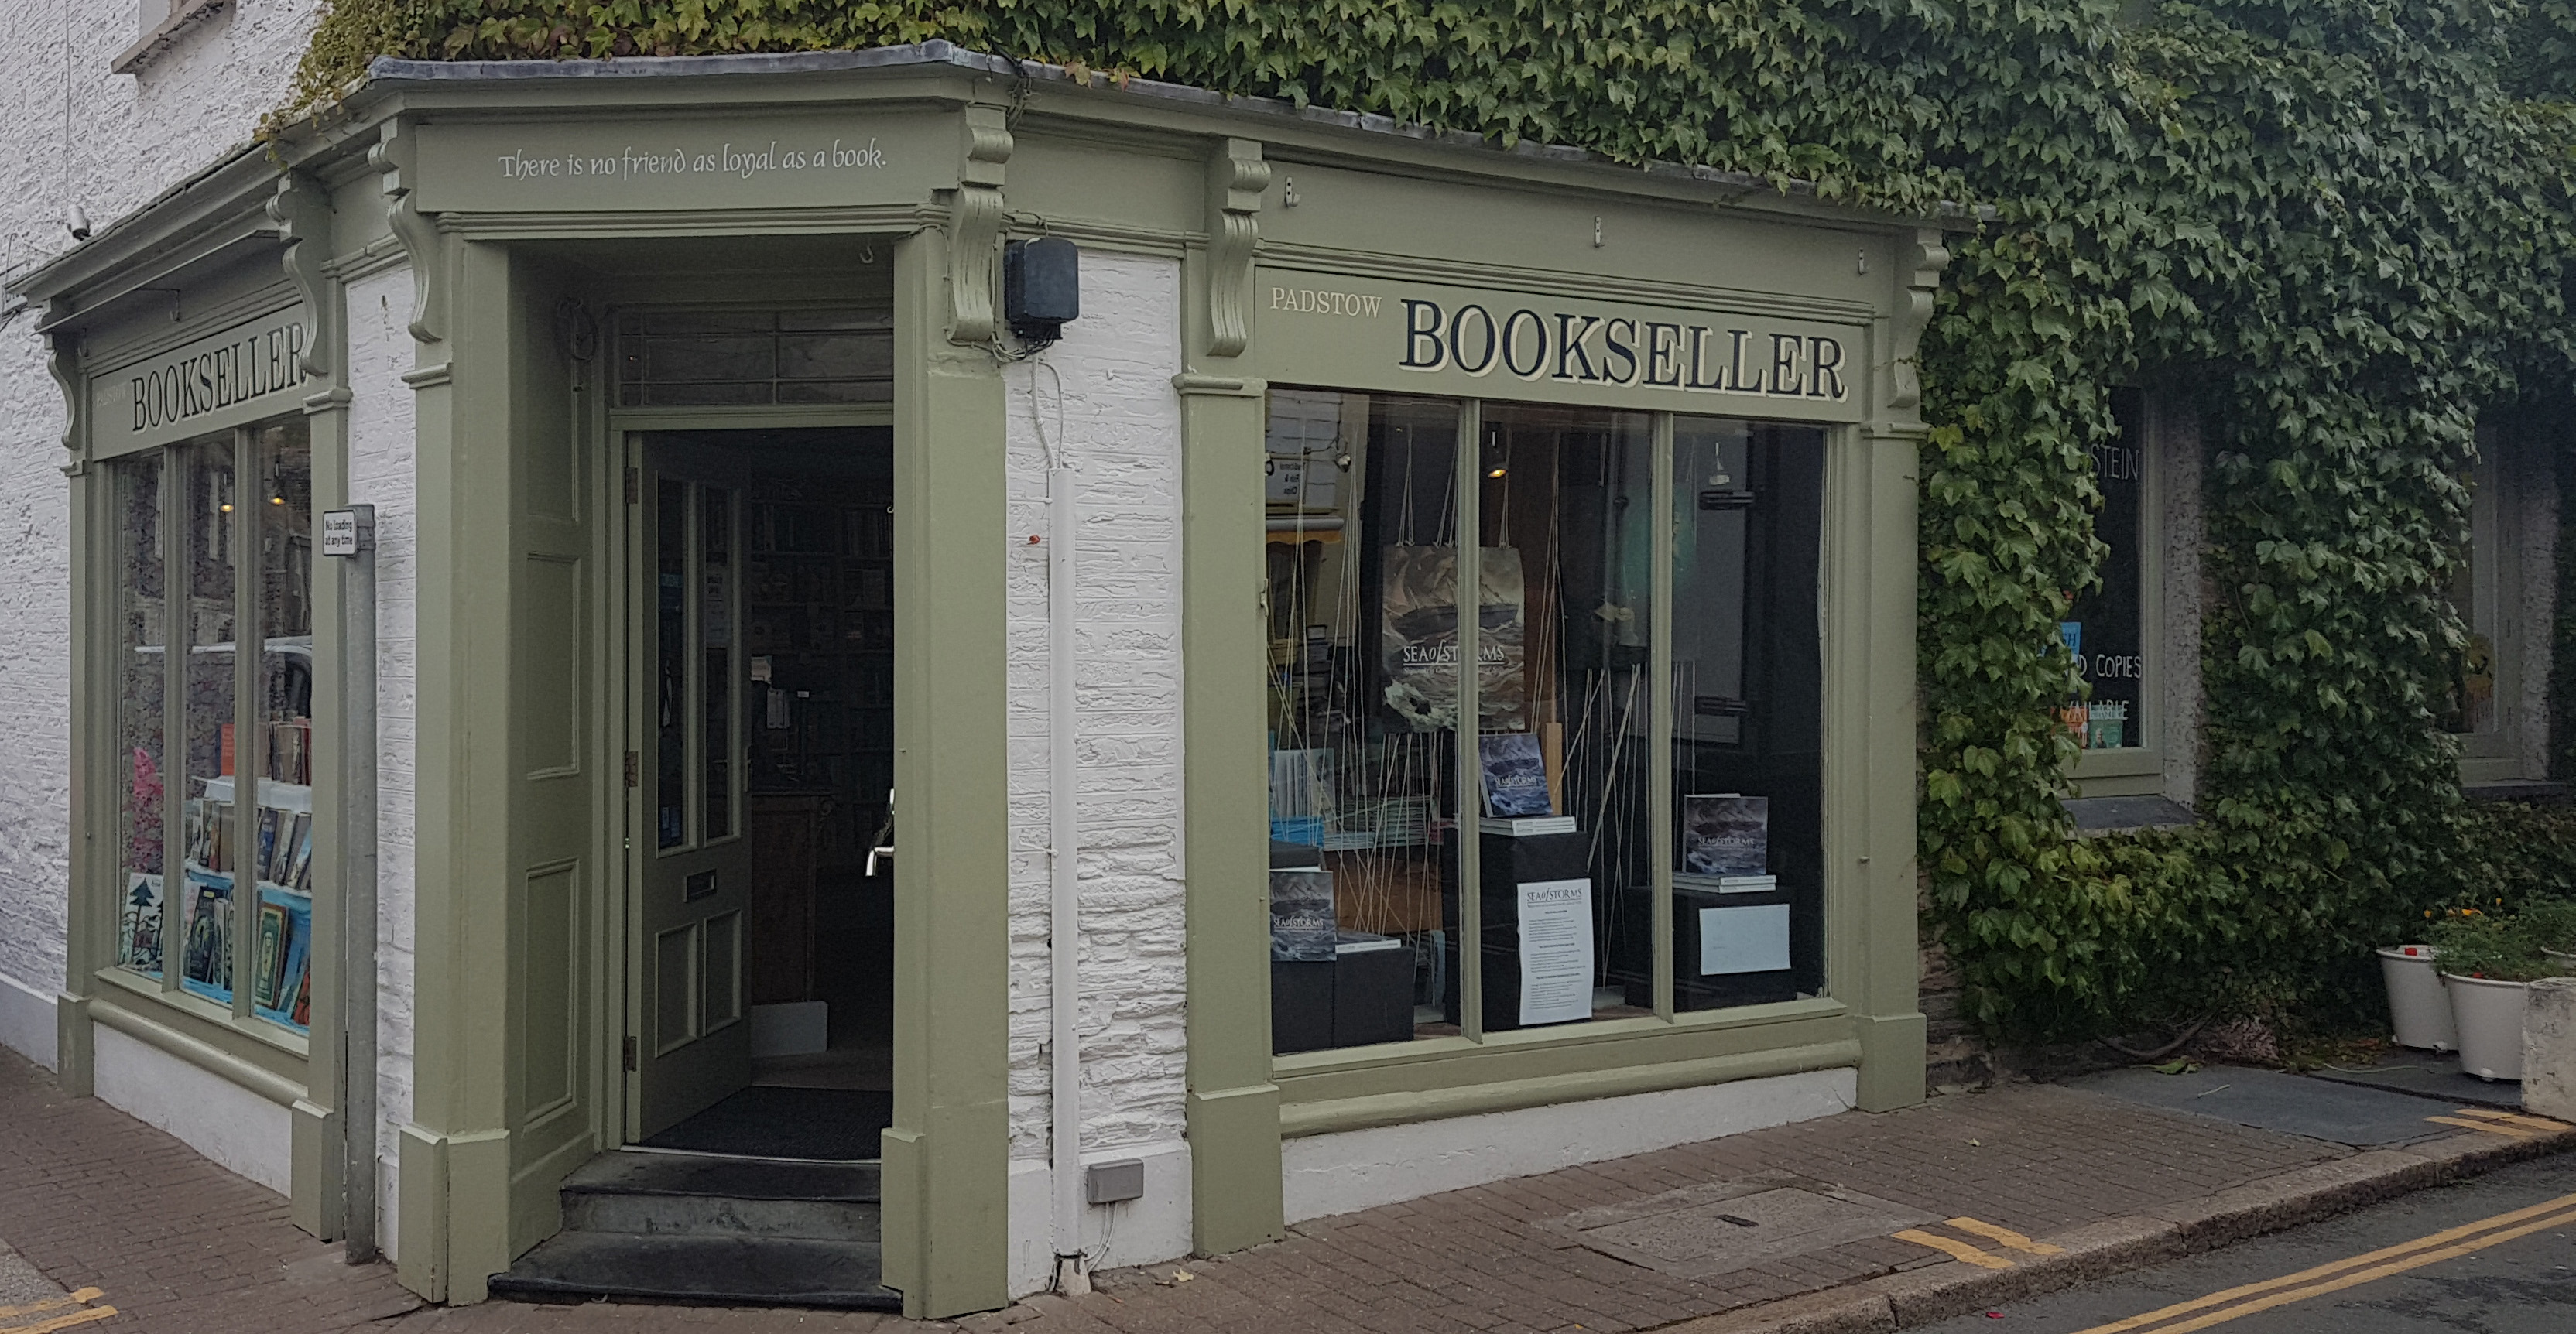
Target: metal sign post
x=350 y=535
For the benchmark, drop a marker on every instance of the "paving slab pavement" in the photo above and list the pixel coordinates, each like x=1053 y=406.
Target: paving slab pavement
x=2022 y=1190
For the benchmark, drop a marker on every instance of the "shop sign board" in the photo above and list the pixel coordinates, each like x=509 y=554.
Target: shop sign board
x=239 y=375
x=807 y=160
x=1404 y=336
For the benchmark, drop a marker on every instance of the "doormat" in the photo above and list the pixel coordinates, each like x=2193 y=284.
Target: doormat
x=1723 y=1226
x=2364 y=1118
x=832 y=1125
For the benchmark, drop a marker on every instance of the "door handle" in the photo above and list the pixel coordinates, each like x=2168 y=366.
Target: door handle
x=886 y=852
x=883 y=844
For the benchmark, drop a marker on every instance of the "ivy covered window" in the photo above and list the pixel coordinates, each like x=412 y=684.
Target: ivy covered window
x=2106 y=629
x=1544 y=705
x=214 y=734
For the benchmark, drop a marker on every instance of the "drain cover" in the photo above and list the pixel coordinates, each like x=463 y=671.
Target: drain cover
x=1701 y=1231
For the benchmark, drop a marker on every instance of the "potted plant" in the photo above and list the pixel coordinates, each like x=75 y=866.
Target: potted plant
x=2488 y=963
x=2419 y=1009
x=2553 y=924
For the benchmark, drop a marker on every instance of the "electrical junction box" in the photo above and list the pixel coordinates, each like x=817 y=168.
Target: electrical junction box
x=1041 y=287
x=1108 y=1183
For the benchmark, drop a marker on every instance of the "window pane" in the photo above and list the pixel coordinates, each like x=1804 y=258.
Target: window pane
x=282 y=926
x=1566 y=508
x=141 y=662
x=671 y=662
x=210 y=624
x=2104 y=629
x=1362 y=531
x=2469 y=703
x=715 y=602
x=708 y=358
x=1748 y=679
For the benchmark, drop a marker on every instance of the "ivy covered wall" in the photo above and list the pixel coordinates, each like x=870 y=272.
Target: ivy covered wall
x=2338 y=228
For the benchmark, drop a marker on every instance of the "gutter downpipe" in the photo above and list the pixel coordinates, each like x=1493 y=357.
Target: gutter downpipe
x=1064 y=865
x=358 y=895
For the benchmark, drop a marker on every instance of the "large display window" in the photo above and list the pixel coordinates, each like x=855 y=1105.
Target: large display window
x=214 y=650
x=1550 y=837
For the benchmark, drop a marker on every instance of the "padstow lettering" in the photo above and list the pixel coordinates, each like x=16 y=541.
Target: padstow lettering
x=210 y=379
x=1590 y=347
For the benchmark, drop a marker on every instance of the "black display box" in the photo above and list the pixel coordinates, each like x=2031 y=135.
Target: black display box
x=1505 y=864
x=1634 y=967
x=1363 y=994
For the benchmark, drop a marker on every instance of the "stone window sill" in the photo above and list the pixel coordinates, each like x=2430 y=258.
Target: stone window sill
x=187 y=15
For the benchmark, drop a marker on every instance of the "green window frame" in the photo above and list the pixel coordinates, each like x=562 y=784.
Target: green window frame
x=212 y=690
x=1315 y=514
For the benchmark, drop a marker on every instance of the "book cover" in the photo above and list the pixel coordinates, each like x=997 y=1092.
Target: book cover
x=299 y=866
x=138 y=934
x=206 y=956
x=281 y=992
x=1301 y=916
x=1515 y=775
x=1418 y=637
x=1726 y=834
x=264 y=860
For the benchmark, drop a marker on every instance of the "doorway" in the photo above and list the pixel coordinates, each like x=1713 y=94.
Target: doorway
x=761 y=647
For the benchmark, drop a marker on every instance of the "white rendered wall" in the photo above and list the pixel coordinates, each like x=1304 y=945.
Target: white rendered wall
x=73 y=131
x=1362 y=1169
x=384 y=472
x=1105 y=393
x=236 y=1128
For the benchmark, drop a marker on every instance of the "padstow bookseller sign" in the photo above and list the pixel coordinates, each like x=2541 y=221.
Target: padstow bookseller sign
x=1411 y=337
x=249 y=371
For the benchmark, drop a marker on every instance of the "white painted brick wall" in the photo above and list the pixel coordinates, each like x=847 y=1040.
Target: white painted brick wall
x=1110 y=399
x=71 y=130
x=384 y=472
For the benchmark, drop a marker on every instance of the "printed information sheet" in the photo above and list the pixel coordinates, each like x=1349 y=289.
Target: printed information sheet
x=1556 y=951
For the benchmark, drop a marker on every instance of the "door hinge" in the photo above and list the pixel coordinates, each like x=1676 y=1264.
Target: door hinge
x=634 y=485
x=630 y=1053
x=634 y=767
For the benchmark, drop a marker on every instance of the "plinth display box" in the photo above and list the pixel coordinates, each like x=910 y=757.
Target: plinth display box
x=1505 y=865
x=1363 y=994
x=1753 y=920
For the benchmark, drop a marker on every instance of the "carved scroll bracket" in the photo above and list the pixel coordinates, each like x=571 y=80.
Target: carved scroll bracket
x=975 y=226
x=1237 y=176
x=1919 y=268
x=395 y=158
x=302 y=211
x=62 y=358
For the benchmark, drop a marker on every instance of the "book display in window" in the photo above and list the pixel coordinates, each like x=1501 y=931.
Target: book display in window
x=206 y=959
x=281 y=958
x=138 y=928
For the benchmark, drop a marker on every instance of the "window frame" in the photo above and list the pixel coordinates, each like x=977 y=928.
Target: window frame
x=2496 y=571
x=2139 y=771
x=249 y=730
x=1661 y=833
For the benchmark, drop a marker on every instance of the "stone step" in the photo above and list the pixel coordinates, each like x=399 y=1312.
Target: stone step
x=764 y=1271
x=658 y=1194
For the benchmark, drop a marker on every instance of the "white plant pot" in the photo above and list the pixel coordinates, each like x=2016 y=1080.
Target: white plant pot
x=2418 y=1008
x=2488 y=1015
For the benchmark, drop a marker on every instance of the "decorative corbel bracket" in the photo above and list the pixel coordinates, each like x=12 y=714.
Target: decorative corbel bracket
x=302 y=211
x=62 y=358
x=395 y=156
x=1237 y=176
x=1901 y=380
x=975 y=225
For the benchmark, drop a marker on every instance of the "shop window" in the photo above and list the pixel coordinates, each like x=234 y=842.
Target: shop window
x=215 y=649
x=1579 y=591
x=2106 y=628
x=703 y=358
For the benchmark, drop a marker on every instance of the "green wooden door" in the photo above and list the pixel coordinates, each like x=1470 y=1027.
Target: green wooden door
x=691 y=1045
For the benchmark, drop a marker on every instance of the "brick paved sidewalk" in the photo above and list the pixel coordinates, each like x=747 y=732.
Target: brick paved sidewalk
x=94 y=1199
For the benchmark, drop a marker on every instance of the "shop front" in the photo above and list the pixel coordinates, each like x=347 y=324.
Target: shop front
x=1085 y=669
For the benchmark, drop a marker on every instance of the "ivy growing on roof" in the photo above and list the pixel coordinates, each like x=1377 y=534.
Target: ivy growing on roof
x=2338 y=228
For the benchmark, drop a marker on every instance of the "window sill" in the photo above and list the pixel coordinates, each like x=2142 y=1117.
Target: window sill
x=199 y=1008
x=160 y=39
x=1362 y=1087
x=2126 y=815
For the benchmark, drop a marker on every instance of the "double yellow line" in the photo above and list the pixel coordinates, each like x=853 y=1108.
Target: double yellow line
x=2221 y=1307
x=56 y=1313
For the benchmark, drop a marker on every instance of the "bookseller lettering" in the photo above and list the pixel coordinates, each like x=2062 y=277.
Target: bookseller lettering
x=1622 y=350
x=218 y=377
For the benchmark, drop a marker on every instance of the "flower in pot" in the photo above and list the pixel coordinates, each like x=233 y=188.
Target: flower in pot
x=2488 y=963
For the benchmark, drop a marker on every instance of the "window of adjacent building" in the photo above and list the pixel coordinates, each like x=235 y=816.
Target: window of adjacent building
x=2106 y=628
x=2477 y=699
x=1634 y=849
x=214 y=703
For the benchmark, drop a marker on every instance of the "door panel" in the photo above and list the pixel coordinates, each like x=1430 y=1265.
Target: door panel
x=695 y=864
